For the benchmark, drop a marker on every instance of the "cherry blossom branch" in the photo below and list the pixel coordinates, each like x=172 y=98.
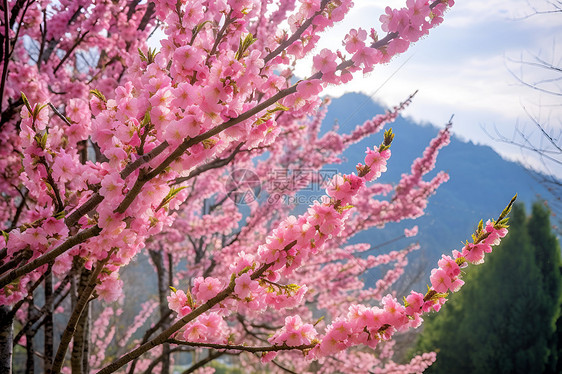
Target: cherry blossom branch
x=57 y=200
x=155 y=362
x=235 y=347
x=165 y=335
x=189 y=142
x=220 y=34
x=13 y=20
x=31 y=289
x=22 y=256
x=8 y=113
x=296 y=35
x=146 y=16
x=283 y=367
x=96 y=198
x=147 y=335
x=15 y=11
x=59 y=114
x=41 y=313
x=132 y=7
x=19 y=209
x=79 y=238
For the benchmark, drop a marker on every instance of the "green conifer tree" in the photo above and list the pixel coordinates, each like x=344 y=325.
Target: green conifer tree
x=547 y=253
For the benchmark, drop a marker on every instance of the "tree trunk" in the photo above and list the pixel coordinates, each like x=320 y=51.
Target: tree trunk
x=158 y=260
x=49 y=327
x=30 y=361
x=78 y=346
x=86 y=351
x=6 y=336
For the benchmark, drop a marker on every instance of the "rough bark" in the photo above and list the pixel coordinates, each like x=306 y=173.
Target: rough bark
x=49 y=326
x=6 y=336
x=78 y=346
x=158 y=260
x=30 y=359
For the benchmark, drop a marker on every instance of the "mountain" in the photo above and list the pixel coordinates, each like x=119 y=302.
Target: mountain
x=480 y=186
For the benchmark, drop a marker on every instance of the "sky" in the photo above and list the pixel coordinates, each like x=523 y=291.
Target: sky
x=468 y=66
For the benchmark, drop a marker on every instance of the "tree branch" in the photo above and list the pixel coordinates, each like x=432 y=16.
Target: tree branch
x=49 y=256
x=244 y=348
x=76 y=313
x=6 y=51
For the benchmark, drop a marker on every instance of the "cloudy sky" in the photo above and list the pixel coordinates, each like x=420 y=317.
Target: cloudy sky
x=466 y=67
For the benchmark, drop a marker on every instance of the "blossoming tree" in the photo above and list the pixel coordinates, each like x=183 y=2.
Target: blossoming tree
x=110 y=148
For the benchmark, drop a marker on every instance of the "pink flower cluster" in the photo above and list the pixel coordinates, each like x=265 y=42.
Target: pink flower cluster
x=414 y=21
x=475 y=252
x=411 y=232
x=209 y=327
x=375 y=163
x=294 y=333
x=179 y=303
x=296 y=239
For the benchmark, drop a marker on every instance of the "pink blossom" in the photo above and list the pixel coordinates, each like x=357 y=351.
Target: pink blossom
x=325 y=61
x=205 y=289
x=411 y=232
x=440 y=281
x=355 y=40
x=177 y=300
x=110 y=288
x=245 y=286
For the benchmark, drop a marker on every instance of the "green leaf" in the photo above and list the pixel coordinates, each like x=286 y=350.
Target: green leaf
x=37 y=110
x=406 y=303
x=173 y=192
x=244 y=45
x=41 y=140
x=26 y=102
x=198 y=28
x=99 y=95
x=318 y=321
x=388 y=138
x=151 y=55
x=142 y=55
x=507 y=209
x=60 y=215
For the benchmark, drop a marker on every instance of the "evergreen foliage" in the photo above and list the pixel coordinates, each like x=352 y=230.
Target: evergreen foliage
x=504 y=320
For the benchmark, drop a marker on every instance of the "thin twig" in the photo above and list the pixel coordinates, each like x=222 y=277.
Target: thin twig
x=6 y=51
x=245 y=348
x=59 y=114
x=69 y=52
